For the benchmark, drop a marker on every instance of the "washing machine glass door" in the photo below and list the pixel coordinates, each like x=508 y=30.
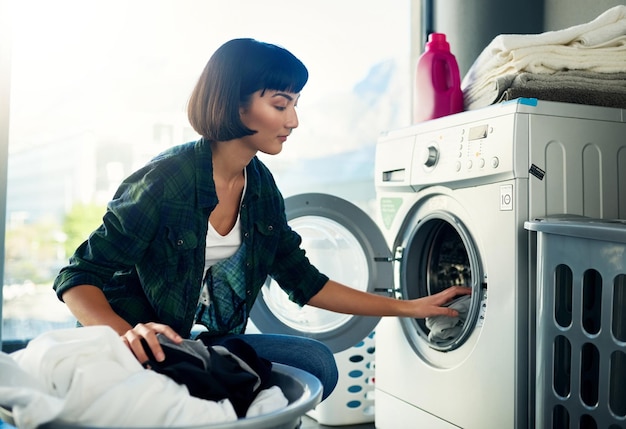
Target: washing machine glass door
x=342 y=242
x=437 y=251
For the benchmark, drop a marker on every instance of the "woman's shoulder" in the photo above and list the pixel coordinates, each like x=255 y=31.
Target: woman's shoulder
x=172 y=171
x=176 y=153
x=184 y=159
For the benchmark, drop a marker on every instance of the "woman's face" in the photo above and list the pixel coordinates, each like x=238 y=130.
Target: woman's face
x=272 y=114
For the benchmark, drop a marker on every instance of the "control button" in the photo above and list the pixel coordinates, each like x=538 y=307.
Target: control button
x=457 y=166
x=460 y=154
x=470 y=164
x=495 y=162
x=430 y=155
x=481 y=162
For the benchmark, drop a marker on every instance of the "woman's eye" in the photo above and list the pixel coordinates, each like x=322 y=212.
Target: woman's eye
x=281 y=108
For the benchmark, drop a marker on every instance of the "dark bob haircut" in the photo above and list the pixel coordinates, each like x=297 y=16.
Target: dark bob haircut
x=238 y=69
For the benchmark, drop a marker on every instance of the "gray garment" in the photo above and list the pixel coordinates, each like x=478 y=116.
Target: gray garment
x=444 y=328
x=194 y=348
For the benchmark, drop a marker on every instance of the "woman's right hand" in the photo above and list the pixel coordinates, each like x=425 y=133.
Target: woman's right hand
x=148 y=332
x=90 y=306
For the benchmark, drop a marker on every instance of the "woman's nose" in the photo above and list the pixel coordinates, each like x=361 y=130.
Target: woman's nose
x=292 y=120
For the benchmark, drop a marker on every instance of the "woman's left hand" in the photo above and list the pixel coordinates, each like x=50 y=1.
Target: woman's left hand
x=432 y=305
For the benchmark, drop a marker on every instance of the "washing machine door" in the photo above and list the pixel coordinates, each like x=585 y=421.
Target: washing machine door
x=436 y=250
x=343 y=242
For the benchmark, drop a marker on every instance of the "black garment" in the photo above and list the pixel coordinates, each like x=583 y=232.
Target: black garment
x=224 y=378
x=243 y=351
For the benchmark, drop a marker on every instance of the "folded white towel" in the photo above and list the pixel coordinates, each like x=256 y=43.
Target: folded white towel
x=605 y=32
x=599 y=46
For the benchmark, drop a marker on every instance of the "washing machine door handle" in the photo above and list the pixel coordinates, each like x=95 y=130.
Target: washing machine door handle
x=395 y=258
x=393 y=292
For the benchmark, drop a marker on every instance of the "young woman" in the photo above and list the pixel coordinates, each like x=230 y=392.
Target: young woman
x=192 y=236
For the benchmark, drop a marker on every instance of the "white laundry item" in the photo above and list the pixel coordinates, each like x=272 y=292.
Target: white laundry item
x=443 y=328
x=56 y=356
x=88 y=376
x=604 y=34
x=267 y=401
x=23 y=393
x=599 y=45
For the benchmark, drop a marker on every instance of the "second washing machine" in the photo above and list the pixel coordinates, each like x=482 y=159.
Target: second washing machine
x=453 y=196
x=345 y=243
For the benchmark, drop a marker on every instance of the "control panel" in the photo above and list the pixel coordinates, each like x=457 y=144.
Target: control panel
x=455 y=153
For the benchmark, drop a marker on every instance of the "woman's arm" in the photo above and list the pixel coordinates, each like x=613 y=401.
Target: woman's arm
x=343 y=299
x=90 y=307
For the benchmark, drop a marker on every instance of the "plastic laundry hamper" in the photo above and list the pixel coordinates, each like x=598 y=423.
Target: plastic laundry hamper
x=303 y=390
x=352 y=401
x=581 y=323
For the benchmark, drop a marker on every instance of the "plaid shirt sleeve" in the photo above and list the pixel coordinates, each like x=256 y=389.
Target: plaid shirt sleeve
x=148 y=255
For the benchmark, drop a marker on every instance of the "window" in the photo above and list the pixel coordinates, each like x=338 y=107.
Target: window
x=99 y=87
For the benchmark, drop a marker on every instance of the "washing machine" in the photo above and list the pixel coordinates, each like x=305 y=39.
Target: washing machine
x=345 y=243
x=453 y=195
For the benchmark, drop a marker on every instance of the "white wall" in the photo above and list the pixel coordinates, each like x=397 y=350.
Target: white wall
x=559 y=14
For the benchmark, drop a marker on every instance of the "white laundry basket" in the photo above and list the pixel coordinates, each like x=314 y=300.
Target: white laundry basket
x=581 y=323
x=303 y=390
x=352 y=401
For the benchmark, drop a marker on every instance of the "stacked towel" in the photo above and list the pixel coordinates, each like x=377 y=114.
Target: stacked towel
x=597 y=47
x=598 y=89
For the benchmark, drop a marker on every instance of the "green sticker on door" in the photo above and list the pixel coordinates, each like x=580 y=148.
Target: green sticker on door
x=388 y=210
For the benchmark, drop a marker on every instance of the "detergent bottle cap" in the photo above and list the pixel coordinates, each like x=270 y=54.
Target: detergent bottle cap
x=437 y=41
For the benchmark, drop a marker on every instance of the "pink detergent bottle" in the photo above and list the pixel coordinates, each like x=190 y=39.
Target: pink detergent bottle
x=437 y=82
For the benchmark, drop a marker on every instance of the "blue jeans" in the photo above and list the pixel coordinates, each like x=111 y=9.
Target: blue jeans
x=307 y=354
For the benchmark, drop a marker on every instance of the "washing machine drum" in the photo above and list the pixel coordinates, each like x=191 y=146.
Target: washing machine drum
x=342 y=241
x=439 y=253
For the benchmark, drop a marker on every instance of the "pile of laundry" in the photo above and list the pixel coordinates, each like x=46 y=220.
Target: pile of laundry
x=583 y=64
x=87 y=376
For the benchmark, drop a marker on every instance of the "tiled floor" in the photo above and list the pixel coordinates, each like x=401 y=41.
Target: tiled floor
x=309 y=423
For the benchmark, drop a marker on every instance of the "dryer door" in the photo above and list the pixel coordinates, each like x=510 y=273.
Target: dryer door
x=342 y=242
x=436 y=250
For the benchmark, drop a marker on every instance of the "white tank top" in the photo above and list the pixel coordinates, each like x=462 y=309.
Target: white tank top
x=220 y=247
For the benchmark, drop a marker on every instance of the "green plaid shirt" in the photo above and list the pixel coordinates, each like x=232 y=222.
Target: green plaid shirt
x=148 y=253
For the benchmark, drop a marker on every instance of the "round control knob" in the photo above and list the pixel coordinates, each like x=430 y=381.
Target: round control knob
x=430 y=155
